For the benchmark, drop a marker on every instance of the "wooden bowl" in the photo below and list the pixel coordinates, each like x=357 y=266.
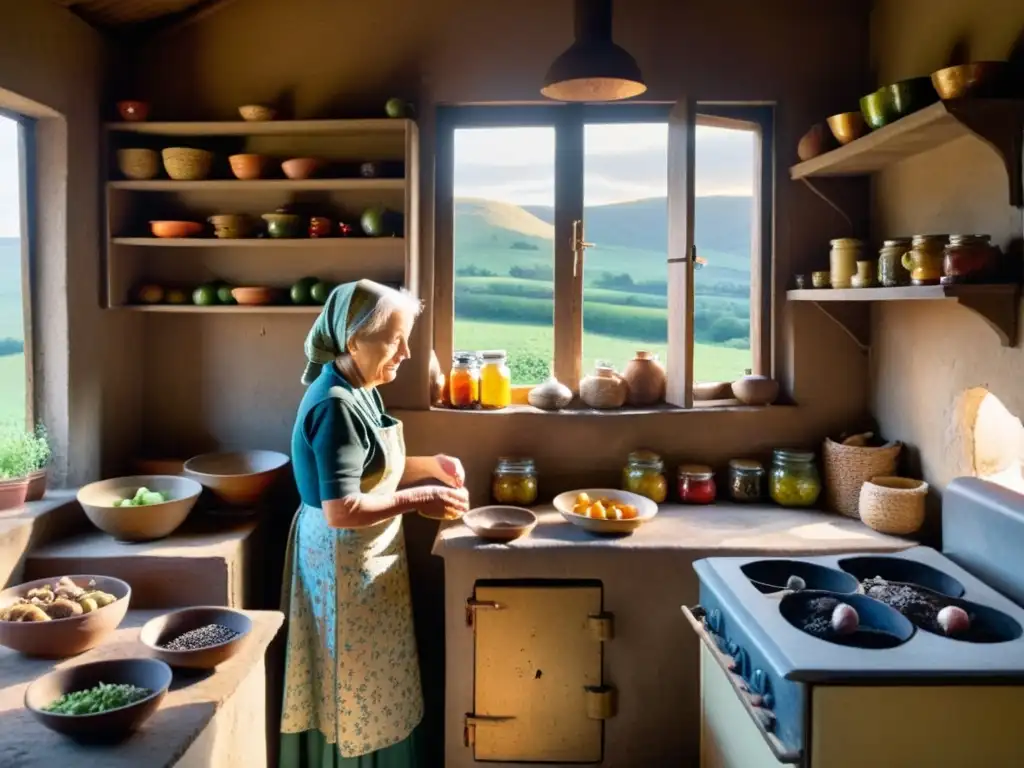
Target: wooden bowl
x=301 y=167
x=133 y=111
x=979 y=78
x=187 y=164
x=60 y=638
x=110 y=726
x=238 y=478
x=161 y=630
x=175 y=229
x=247 y=167
x=847 y=126
x=500 y=523
x=138 y=164
x=257 y=113
x=147 y=523
x=646 y=510
x=255 y=296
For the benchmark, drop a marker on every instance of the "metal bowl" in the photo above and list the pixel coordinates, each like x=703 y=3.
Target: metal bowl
x=979 y=78
x=847 y=126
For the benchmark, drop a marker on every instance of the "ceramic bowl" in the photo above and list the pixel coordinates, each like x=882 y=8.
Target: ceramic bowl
x=500 y=523
x=284 y=225
x=980 y=78
x=908 y=96
x=110 y=726
x=231 y=226
x=159 y=631
x=847 y=126
x=133 y=111
x=301 y=167
x=186 y=163
x=148 y=523
x=246 y=167
x=60 y=638
x=878 y=109
x=255 y=296
x=175 y=229
x=138 y=164
x=646 y=510
x=755 y=390
x=143 y=466
x=257 y=113
x=238 y=478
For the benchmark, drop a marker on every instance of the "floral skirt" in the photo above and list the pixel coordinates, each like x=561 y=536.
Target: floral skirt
x=311 y=750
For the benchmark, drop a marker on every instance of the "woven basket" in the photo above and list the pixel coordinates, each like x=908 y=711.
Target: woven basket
x=848 y=467
x=893 y=505
x=186 y=164
x=138 y=164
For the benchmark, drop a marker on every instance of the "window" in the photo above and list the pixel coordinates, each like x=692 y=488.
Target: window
x=15 y=388
x=563 y=236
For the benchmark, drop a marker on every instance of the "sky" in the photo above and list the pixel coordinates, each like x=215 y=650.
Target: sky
x=10 y=186
x=621 y=162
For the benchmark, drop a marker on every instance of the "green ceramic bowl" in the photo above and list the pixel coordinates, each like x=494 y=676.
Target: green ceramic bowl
x=878 y=109
x=909 y=96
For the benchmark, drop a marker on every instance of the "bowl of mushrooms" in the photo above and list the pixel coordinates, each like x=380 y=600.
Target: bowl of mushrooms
x=56 y=618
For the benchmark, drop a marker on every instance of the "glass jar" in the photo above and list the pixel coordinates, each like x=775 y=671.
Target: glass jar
x=843 y=258
x=464 y=381
x=794 y=480
x=696 y=484
x=644 y=474
x=495 y=380
x=924 y=259
x=746 y=480
x=891 y=272
x=968 y=259
x=514 y=481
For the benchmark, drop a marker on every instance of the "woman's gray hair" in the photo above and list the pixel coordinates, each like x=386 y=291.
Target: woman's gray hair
x=391 y=301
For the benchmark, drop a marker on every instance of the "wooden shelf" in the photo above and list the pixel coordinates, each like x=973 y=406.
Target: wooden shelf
x=219 y=309
x=315 y=243
x=261 y=185
x=997 y=305
x=997 y=122
x=267 y=128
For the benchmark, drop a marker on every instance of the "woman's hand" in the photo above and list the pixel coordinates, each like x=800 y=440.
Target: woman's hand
x=444 y=502
x=450 y=471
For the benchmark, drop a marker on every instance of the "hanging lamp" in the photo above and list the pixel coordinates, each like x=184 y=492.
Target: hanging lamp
x=593 y=68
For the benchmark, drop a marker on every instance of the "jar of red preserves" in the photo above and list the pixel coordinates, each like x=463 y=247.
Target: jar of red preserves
x=696 y=484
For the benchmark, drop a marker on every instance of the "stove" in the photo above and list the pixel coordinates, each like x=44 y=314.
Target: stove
x=791 y=675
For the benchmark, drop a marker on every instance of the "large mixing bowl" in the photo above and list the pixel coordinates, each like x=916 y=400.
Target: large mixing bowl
x=153 y=521
x=237 y=478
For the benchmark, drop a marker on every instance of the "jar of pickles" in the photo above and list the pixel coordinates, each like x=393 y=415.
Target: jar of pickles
x=794 y=480
x=515 y=481
x=644 y=473
x=746 y=480
x=464 y=381
x=696 y=484
x=495 y=380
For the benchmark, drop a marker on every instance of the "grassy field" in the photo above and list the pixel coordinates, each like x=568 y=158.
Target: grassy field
x=12 y=389
x=711 y=363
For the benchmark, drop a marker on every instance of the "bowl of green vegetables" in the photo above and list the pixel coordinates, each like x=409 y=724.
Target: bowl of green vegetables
x=103 y=701
x=140 y=507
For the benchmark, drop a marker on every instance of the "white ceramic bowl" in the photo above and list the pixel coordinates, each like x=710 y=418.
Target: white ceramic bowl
x=646 y=509
x=237 y=478
x=154 y=521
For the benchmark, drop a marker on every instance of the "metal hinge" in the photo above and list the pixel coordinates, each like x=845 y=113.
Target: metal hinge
x=601 y=703
x=601 y=626
x=472 y=605
x=472 y=721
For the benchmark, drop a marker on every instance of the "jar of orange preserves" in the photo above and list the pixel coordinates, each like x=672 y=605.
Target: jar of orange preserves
x=644 y=473
x=515 y=481
x=464 y=381
x=495 y=380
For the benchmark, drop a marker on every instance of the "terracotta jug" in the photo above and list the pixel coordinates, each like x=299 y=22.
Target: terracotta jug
x=604 y=388
x=645 y=379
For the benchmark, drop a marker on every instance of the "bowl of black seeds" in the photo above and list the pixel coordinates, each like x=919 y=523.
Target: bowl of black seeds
x=196 y=638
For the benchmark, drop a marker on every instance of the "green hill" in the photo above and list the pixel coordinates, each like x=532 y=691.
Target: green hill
x=11 y=318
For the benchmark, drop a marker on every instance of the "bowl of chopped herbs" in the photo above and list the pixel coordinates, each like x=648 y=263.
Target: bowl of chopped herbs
x=103 y=701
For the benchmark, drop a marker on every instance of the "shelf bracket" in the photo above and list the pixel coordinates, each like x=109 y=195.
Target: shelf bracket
x=854 y=319
x=1000 y=124
x=999 y=312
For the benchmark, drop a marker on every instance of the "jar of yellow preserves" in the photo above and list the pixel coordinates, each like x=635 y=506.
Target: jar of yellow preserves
x=644 y=473
x=794 y=479
x=495 y=380
x=515 y=481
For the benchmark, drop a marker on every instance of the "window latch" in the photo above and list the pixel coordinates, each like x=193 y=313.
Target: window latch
x=579 y=245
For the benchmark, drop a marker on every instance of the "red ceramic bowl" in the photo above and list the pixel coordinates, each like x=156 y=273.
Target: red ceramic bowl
x=175 y=228
x=301 y=167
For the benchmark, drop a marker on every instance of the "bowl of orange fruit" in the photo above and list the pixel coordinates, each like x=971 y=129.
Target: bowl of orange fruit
x=605 y=510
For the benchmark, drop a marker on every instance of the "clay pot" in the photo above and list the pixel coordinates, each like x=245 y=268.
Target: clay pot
x=549 y=395
x=175 y=229
x=36 y=485
x=816 y=141
x=436 y=381
x=301 y=167
x=246 y=167
x=755 y=390
x=604 y=388
x=13 y=492
x=645 y=378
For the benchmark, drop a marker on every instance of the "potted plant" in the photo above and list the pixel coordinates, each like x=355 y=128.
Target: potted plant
x=23 y=459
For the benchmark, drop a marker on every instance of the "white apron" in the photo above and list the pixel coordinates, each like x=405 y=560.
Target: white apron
x=352 y=671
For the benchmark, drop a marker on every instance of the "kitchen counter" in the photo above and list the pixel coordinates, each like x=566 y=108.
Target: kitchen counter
x=652 y=660
x=207 y=719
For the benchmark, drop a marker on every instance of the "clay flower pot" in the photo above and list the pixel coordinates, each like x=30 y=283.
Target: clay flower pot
x=36 y=485
x=645 y=378
x=13 y=493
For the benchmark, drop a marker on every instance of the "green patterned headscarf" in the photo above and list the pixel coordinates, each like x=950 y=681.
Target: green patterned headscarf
x=345 y=311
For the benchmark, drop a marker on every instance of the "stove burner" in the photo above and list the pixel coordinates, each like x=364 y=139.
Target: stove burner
x=880 y=626
x=903 y=571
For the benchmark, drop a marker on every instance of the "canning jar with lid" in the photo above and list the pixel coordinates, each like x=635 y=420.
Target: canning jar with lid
x=696 y=484
x=464 y=381
x=495 y=380
x=644 y=474
x=794 y=480
x=514 y=481
x=968 y=258
x=746 y=478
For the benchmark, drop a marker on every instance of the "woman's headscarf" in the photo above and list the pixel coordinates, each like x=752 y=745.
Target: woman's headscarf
x=344 y=313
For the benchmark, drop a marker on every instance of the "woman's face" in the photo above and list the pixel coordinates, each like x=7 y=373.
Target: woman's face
x=379 y=354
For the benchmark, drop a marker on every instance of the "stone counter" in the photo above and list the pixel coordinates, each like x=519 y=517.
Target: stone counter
x=652 y=660
x=206 y=720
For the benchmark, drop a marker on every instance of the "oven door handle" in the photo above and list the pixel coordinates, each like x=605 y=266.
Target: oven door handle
x=758 y=714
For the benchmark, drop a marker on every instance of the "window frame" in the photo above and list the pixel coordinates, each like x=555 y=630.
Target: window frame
x=569 y=121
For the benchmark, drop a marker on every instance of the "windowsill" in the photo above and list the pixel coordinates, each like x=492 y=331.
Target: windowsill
x=578 y=409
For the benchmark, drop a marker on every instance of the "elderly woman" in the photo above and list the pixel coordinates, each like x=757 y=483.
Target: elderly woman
x=352 y=692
